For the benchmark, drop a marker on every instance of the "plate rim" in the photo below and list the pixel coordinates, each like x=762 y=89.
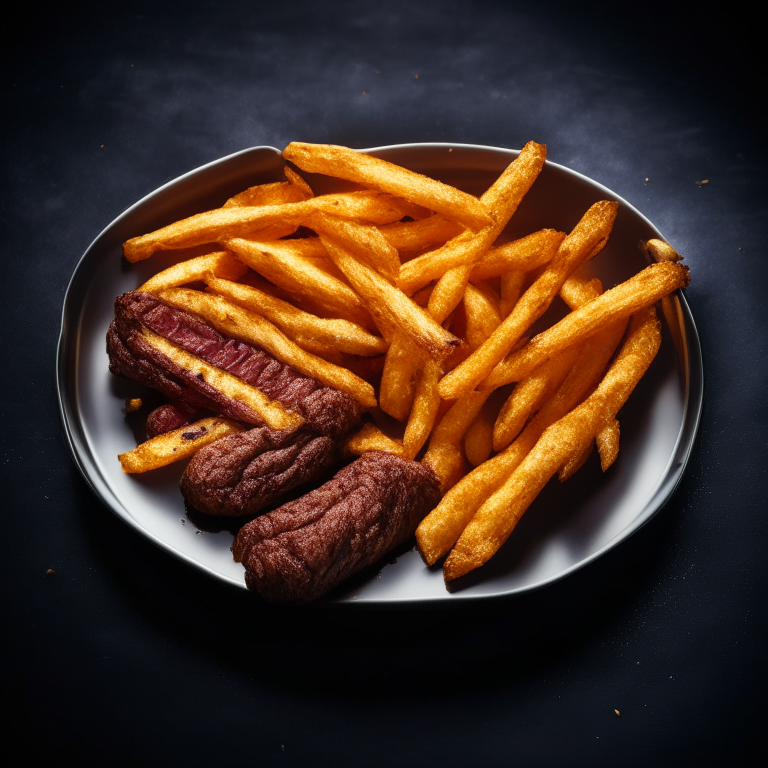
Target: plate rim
x=659 y=496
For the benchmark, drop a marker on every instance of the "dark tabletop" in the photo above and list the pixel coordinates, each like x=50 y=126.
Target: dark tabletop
x=126 y=656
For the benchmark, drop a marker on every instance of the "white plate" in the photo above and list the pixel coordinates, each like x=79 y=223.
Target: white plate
x=566 y=527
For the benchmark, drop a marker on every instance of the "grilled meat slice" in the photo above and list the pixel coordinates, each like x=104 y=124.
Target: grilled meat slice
x=298 y=552
x=241 y=474
x=326 y=410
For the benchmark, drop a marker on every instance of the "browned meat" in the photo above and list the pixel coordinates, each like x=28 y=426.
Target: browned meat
x=241 y=474
x=326 y=410
x=171 y=416
x=298 y=552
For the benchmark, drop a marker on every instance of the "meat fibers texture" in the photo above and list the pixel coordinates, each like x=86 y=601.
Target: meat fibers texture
x=241 y=474
x=326 y=410
x=171 y=416
x=301 y=550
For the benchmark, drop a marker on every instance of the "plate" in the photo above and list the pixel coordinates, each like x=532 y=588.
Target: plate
x=568 y=525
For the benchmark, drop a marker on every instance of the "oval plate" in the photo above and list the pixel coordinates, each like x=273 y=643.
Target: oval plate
x=567 y=526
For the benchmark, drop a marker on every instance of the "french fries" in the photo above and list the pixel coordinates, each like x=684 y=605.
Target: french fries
x=179 y=444
x=344 y=163
x=496 y=519
x=434 y=313
x=221 y=264
x=594 y=228
x=319 y=335
x=640 y=291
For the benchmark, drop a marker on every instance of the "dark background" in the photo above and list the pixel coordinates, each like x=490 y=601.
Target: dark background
x=125 y=656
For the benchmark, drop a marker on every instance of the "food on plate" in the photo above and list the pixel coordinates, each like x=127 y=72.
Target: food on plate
x=587 y=237
x=176 y=445
x=289 y=398
x=573 y=433
x=382 y=327
x=303 y=549
x=243 y=473
x=343 y=163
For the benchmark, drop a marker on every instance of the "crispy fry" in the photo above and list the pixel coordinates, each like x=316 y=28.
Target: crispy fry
x=298 y=181
x=444 y=452
x=640 y=291
x=594 y=227
x=496 y=519
x=221 y=264
x=321 y=336
x=658 y=250
x=426 y=405
x=273 y=412
x=502 y=199
x=524 y=254
x=399 y=377
x=365 y=242
x=390 y=307
x=607 y=440
x=448 y=292
x=370 y=438
x=176 y=445
x=511 y=290
x=478 y=442
x=579 y=290
x=281 y=265
x=443 y=526
x=250 y=327
x=528 y=396
x=575 y=462
x=279 y=193
x=411 y=236
x=343 y=163
x=482 y=315
x=254 y=221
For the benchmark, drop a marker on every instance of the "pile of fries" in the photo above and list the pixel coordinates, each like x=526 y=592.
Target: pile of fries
x=407 y=298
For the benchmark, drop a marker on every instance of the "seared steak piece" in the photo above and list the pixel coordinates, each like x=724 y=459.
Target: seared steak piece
x=241 y=474
x=298 y=552
x=171 y=416
x=326 y=410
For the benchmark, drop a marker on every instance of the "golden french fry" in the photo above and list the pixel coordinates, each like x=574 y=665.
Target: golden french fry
x=273 y=412
x=658 y=250
x=525 y=254
x=426 y=405
x=444 y=452
x=478 y=442
x=528 y=396
x=389 y=306
x=370 y=438
x=448 y=292
x=280 y=264
x=221 y=264
x=640 y=291
x=298 y=181
x=321 y=336
x=502 y=199
x=579 y=289
x=251 y=327
x=179 y=444
x=264 y=222
x=365 y=242
x=495 y=520
x=594 y=227
x=511 y=290
x=483 y=316
x=574 y=463
x=442 y=527
x=607 y=440
x=279 y=193
x=412 y=236
x=343 y=163
x=399 y=377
